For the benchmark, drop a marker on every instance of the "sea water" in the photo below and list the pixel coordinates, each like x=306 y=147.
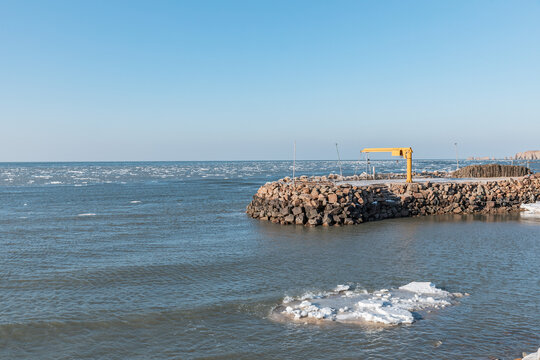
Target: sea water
x=158 y=260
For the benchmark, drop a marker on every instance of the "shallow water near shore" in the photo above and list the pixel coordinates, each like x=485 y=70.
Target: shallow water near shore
x=159 y=260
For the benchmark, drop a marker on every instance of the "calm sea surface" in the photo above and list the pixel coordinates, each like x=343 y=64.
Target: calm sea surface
x=159 y=261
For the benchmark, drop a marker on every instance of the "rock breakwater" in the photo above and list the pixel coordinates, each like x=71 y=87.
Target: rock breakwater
x=491 y=170
x=327 y=203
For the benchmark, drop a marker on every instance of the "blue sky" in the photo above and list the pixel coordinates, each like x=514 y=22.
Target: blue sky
x=238 y=80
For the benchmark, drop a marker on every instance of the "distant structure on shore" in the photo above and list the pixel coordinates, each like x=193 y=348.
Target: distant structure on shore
x=528 y=155
x=480 y=158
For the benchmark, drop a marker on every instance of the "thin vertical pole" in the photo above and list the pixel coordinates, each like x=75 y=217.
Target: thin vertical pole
x=367 y=164
x=409 y=167
x=457 y=160
x=357 y=163
x=339 y=161
x=294 y=164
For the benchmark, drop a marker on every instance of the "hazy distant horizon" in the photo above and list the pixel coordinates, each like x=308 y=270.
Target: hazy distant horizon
x=376 y=156
x=248 y=160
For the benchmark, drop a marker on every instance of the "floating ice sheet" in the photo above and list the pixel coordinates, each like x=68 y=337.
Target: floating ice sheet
x=533 y=208
x=352 y=305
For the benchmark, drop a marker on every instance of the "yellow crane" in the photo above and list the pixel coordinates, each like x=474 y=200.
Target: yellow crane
x=404 y=152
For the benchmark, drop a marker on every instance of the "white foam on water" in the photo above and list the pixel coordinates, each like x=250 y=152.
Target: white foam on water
x=350 y=305
x=87 y=214
x=135 y=202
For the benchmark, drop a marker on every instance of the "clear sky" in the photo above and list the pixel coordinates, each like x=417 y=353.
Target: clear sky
x=238 y=80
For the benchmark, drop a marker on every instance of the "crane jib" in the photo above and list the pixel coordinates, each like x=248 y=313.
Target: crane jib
x=404 y=152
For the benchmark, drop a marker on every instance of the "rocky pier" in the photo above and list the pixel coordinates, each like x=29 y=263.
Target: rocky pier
x=321 y=201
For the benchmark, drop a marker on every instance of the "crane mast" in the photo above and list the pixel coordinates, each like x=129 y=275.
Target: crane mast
x=404 y=152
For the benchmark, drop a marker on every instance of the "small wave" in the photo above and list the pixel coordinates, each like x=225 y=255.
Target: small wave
x=87 y=214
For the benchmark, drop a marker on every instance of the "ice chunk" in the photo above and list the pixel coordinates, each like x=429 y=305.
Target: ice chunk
x=287 y=299
x=533 y=356
x=340 y=288
x=423 y=288
x=533 y=208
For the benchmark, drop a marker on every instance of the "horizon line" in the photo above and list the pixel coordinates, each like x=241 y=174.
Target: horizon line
x=252 y=160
